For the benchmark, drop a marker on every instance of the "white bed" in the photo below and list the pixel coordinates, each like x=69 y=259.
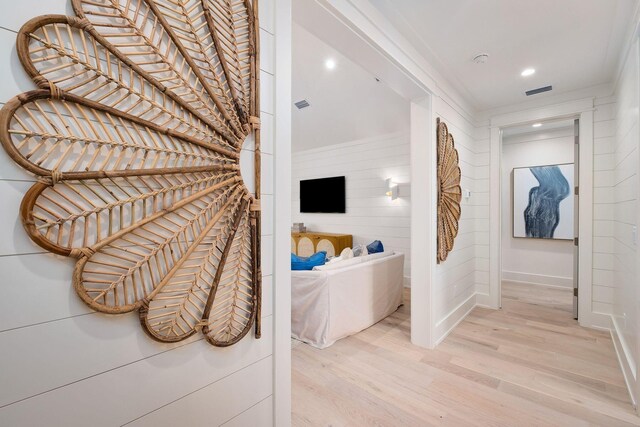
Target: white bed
x=335 y=303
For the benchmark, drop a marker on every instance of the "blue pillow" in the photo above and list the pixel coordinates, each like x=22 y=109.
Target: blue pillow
x=375 y=247
x=307 y=263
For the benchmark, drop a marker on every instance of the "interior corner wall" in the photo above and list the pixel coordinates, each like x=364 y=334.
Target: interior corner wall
x=624 y=193
x=457 y=278
x=534 y=261
x=370 y=214
x=62 y=363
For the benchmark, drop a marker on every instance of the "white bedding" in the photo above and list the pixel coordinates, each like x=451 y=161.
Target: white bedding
x=333 y=304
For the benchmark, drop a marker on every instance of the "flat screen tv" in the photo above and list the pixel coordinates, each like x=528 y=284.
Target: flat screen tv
x=323 y=195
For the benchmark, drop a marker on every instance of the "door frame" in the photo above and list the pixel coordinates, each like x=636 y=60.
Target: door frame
x=583 y=110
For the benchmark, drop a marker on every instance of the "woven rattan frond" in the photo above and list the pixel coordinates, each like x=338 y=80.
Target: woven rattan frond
x=135 y=135
x=449 y=191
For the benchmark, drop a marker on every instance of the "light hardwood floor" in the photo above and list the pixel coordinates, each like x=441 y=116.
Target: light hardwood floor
x=528 y=364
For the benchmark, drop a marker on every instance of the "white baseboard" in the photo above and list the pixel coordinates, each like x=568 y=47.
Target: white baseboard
x=594 y=320
x=627 y=364
x=484 y=300
x=451 y=320
x=538 y=279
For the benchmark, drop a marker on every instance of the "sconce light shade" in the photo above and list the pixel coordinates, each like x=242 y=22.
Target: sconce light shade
x=392 y=189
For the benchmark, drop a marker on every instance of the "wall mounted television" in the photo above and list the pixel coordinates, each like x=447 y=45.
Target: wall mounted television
x=323 y=195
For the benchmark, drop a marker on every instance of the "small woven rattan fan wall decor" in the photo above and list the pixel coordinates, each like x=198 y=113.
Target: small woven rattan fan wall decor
x=449 y=191
x=135 y=136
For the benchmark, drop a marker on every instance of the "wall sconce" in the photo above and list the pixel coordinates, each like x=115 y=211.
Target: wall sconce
x=392 y=189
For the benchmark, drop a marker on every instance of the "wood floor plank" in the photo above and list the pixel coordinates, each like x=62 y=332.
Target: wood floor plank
x=528 y=364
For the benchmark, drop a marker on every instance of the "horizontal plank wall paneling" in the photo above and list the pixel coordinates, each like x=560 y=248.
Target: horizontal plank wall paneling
x=623 y=180
x=255 y=380
x=259 y=415
x=62 y=364
x=604 y=130
x=371 y=214
x=458 y=278
x=141 y=387
x=480 y=201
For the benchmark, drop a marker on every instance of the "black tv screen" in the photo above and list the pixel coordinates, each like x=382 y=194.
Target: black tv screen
x=324 y=195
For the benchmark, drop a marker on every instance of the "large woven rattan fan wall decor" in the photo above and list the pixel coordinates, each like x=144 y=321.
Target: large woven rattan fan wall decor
x=449 y=191
x=135 y=136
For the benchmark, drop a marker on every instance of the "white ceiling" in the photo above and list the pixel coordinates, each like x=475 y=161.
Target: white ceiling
x=572 y=44
x=347 y=103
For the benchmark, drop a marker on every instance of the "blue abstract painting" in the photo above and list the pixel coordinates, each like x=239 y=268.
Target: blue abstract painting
x=543 y=202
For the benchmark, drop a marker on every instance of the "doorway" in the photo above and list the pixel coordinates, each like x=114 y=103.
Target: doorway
x=539 y=204
x=583 y=167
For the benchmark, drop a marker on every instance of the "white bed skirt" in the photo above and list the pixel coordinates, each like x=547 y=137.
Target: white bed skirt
x=333 y=304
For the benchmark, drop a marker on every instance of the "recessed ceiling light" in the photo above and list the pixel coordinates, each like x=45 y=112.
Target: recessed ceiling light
x=330 y=64
x=528 y=72
x=536 y=125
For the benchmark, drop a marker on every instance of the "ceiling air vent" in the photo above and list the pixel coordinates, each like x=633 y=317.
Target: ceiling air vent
x=539 y=90
x=302 y=104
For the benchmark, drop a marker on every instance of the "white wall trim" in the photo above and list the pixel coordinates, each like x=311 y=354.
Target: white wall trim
x=495 y=219
x=600 y=91
x=423 y=235
x=282 y=216
x=553 y=111
x=635 y=388
x=538 y=279
x=586 y=316
x=582 y=108
x=453 y=319
x=627 y=364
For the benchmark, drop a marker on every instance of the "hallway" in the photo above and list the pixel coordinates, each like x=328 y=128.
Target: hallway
x=527 y=364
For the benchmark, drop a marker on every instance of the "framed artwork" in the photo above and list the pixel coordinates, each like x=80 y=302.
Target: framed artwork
x=543 y=202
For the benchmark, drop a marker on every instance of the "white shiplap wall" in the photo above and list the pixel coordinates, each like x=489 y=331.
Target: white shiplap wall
x=465 y=269
x=604 y=130
x=480 y=202
x=370 y=215
x=624 y=180
x=62 y=364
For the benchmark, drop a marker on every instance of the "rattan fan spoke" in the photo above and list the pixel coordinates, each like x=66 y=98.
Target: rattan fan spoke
x=77 y=138
x=449 y=191
x=130 y=266
x=137 y=30
x=175 y=312
x=230 y=314
x=135 y=136
x=67 y=54
x=200 y=44
x=233 y=29
x=78 y=214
